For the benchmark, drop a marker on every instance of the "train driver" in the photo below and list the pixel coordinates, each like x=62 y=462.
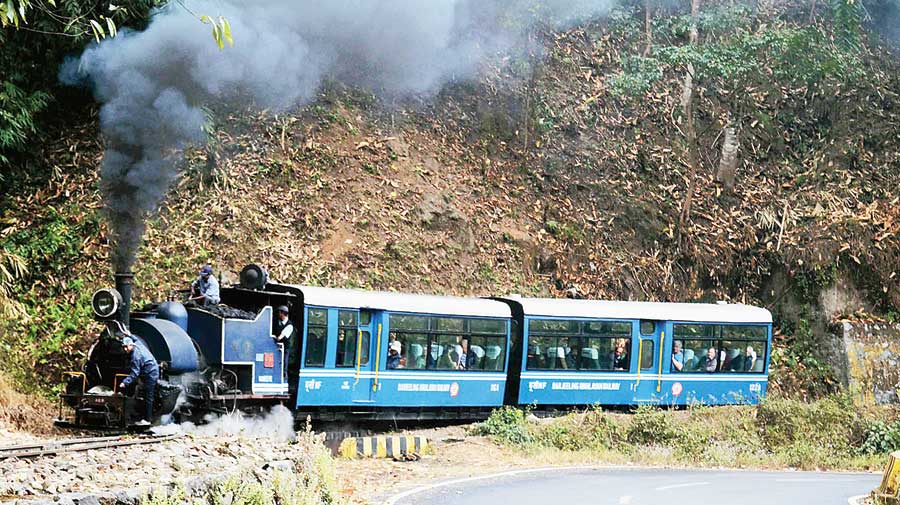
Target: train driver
x=143 y=365
x=205 y=288
x=284 y=328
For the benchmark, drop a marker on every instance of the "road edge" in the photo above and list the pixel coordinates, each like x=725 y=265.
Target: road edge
x=393 y=499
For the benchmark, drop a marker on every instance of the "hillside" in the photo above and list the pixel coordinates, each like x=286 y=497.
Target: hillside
x=541 y=177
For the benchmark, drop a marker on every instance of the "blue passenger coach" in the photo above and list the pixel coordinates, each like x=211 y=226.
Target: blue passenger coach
x=582 y=352
x=416 y=355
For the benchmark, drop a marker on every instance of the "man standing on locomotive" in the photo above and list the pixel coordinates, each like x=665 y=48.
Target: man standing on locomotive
x=284 y=328
x=205 y=288
x=143 y=365
x=282 y=333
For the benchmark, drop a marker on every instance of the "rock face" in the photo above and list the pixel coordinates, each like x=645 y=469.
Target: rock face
x=873 y=360
x=193 y=464
x=437 y=212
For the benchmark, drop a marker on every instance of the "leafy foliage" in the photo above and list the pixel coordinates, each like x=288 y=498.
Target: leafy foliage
x=18 y=109
x=881 y=438
x=12 y=267
x=506 y=425
x=650 y=426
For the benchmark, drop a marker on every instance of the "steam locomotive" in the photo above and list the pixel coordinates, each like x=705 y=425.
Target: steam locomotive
x=363 y=355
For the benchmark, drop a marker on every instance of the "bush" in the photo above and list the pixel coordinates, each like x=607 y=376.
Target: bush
x=605 y=432
x=564 y=434
x=831 y=423
x=651 y=425
x=506 y=425
x=881 y=438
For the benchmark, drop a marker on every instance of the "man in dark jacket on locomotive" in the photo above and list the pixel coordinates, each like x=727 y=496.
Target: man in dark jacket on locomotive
x=143 y=365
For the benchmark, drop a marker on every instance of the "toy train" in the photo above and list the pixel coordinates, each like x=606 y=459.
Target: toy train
x=362 y=355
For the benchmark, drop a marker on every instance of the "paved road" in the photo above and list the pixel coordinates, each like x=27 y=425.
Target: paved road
x=649 y=487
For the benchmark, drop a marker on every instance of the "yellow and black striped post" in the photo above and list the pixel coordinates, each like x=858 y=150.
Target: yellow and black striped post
x=382 y=446
x=889 y=490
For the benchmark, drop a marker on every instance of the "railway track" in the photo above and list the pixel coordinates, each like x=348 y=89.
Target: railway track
x=53 y=447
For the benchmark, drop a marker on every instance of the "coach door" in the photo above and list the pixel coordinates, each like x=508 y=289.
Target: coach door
x=355 y=351
x=651 y=340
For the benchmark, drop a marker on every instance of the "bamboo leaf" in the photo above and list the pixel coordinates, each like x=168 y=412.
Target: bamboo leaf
x=111 y=26
x=205 y=19
x=52 y=3
x=23 y=4
x=226 y=30
x=217 y=36
x=11 y=12
x=98 y=30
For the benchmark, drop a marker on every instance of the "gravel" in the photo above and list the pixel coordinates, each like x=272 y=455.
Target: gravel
x=121 y=475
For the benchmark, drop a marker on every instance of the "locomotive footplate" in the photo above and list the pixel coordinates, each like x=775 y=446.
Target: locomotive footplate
x=96 y=411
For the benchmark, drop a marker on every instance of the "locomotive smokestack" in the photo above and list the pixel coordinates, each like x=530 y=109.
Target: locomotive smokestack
x=123 y=286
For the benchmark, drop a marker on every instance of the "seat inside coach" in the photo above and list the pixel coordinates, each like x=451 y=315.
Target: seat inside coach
x=590 y=359
x=492 y=359
x=478 y=351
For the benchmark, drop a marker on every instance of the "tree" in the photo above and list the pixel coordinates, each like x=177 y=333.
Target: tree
x=36 y=35
x=735 y=58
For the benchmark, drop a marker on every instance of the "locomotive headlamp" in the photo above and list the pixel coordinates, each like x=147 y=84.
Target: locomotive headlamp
x=254 y=277
x=106 y=303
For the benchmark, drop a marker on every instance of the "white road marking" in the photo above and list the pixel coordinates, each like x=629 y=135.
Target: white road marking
x=421 y=489
x=817 y=480
x=686 y=484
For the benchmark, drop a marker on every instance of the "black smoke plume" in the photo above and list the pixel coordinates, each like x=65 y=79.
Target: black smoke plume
x=153 y=83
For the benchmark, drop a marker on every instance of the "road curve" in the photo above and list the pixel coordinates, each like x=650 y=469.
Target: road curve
x=644 y=486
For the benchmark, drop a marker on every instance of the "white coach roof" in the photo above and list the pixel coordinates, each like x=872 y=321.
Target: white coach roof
x=698 y=312
x=401 y=302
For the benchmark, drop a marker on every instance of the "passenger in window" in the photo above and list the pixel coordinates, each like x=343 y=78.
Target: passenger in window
x=749 y=359
x=465 y=357
x=433 y=355
x=416 y=356
x=535 y=358
x=393 y=357
x=446 y=362
x=619 y=357
x=574 y=356
x=710 y=362
x=677 y=356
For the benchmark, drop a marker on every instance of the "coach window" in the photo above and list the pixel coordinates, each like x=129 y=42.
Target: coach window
x=648 y=327
x=316 y=337
x=348 y=334
x=608 y=346
x=487 y=340
x=646 y=354
x=744 y=348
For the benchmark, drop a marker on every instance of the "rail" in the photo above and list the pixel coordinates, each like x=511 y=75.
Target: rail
x=52 y=447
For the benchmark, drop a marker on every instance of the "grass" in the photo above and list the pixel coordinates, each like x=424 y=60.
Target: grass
x=827 y=434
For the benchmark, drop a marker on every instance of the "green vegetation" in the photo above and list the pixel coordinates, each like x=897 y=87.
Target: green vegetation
x=823 y=434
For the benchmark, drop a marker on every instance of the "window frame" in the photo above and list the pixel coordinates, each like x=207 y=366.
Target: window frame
x=442 y=330
x=309 y=327
x=714 y=335
x=582 y=331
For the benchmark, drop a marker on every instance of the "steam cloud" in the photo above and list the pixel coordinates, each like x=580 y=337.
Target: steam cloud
x=153 y=83
x=277 y=423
